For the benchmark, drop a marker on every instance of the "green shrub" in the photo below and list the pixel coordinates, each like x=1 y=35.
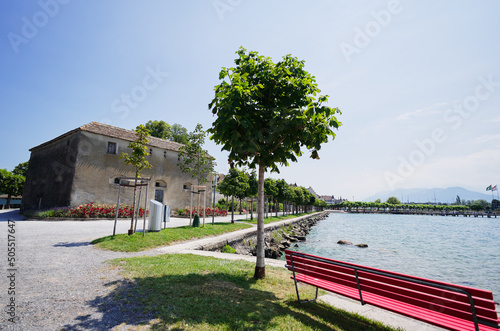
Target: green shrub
x=228 y=249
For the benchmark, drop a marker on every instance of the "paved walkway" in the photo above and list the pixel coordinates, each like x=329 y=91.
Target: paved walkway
x=63 y=283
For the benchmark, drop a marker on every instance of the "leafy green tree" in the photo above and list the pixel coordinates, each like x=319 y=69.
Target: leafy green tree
x=193 y=159
x=393 y=201
x=253 y=186
x=137 y=159
x=377 y=201
x=297 y=197
x=179 y=134
x=159 y=129
x=163 y=130
x=21 y=169
x=11 y=184
x=477 y=206
x=266 y=113
x=270 y=189
x=284 y=193
x=481 y=202
x=235 y=184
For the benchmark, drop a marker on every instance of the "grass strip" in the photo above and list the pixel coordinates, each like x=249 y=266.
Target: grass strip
x=190 y=292
x=275 y=219
x=166 y=237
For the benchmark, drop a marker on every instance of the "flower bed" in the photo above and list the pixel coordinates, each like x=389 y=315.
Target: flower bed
x=208 y=211
x=96 y=211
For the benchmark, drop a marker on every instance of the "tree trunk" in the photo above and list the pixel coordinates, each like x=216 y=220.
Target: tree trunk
x=260 y=266
x=251 y=209
x=7 y=203
x=232 y=209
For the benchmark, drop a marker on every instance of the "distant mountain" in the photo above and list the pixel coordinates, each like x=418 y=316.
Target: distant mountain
x=439 y=195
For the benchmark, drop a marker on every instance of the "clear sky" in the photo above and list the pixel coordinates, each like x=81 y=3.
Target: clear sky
x=418 y=82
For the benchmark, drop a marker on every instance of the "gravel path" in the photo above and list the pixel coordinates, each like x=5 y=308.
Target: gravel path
x=61 y=281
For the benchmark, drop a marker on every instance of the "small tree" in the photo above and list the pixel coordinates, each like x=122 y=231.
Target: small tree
x=159 y=129
x=11 y=185
x=271 y=190
x=253 y=186
x=266 y=113
x=138 y=160
x=393 y=201
x=235 y=184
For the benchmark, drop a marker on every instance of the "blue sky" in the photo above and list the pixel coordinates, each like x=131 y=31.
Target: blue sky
x=418 y=82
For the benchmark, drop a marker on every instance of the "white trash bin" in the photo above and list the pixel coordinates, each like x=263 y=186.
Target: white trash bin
x=155 y=216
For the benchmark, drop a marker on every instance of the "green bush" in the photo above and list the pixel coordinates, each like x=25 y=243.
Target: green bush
x=228 y=249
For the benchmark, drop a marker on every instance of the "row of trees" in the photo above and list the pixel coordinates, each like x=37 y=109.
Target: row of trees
x=12 y=182
x=241 y=184
x=390 y=205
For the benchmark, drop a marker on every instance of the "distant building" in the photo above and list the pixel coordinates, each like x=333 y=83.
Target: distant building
x=330 y=199
x=311 y=190
x=83 y=166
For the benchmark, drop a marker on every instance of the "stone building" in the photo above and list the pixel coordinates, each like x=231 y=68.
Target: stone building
x=83 y=166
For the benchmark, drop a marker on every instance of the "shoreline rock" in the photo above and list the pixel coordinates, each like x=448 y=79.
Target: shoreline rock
x=278 y=240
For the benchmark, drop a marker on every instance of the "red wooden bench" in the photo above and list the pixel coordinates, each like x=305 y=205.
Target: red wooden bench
x=446 y=305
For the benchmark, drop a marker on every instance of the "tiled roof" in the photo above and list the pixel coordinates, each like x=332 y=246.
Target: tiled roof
x=115 y=132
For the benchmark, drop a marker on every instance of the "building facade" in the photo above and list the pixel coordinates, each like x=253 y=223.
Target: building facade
x=83 y=166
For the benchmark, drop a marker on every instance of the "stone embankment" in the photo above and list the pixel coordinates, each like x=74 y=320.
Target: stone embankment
x=278 y=239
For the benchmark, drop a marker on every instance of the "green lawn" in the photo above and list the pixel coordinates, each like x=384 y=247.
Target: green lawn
x=169 y=236
x=190 y=292
x=275 y=219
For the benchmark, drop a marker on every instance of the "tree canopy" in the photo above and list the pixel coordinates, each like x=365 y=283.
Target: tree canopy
x=11 y=184
x=393 y=201
x=235 y=184
x=21 y=169
x=266 y=113
x=163 y=130
x=137 y=159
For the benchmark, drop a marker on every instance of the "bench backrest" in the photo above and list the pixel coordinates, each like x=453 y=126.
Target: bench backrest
x=442 y=297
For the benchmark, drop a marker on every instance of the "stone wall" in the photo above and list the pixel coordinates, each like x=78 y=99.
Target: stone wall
x=277 y=239
x=51 y=170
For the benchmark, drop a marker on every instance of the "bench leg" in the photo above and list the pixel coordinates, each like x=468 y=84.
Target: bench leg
x=298 y=296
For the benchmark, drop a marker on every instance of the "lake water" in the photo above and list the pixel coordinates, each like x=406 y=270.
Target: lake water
x=459 y=250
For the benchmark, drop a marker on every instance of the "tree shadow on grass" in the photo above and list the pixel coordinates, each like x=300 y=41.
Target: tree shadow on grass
x=212 y=301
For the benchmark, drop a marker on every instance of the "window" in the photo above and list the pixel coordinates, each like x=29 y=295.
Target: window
x=186 y=186
x=111 y=148
x=160 y=183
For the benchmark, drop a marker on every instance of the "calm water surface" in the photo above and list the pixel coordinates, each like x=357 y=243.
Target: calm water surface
x=460 y=250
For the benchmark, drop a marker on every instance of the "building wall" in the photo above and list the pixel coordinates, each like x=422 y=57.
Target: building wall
x=96 y=170
x=50 y=174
